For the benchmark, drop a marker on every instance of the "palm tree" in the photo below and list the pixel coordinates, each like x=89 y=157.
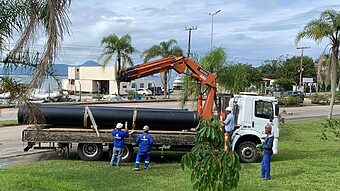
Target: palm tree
x=327 y=26
x=163 y=49
x=324 y=64
x=117 y=46
x=27 y=17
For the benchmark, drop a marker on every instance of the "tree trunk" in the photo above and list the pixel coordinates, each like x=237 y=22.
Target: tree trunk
x=333 y=79
x=165 y=83
x=117 y=72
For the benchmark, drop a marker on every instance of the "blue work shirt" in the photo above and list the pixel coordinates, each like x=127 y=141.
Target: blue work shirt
x=119 y=138
x=268 y=145
x=144 y=142
x=229 y=123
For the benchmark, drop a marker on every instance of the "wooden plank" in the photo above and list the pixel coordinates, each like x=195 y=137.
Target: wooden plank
x=94 y=125
x=91 y=137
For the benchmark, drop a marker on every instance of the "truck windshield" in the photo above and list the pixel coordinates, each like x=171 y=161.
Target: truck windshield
x=264 y=109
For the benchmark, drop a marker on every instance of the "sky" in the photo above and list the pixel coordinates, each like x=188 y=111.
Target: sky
x=250 y=31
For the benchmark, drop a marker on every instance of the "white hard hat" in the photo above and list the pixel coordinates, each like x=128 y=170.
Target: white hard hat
x=119 y=125
x=146 y=128
x=228 y=108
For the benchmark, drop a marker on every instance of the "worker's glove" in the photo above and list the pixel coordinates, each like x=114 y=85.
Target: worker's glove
x=262 y=141
x=259 y=146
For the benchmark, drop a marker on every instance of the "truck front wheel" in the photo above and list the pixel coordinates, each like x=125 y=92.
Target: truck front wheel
x=90 y=151
x=248 y=152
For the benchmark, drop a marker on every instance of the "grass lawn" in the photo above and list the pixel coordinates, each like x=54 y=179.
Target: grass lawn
x=303 y=163
x=8 y=122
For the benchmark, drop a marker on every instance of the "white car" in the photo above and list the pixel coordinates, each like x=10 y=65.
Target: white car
x=144 y=91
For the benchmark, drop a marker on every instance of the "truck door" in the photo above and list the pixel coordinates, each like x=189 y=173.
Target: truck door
x=262 y=115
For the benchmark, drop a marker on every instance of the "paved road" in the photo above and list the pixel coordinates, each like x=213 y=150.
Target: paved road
x=10 y=137
x=11 y=148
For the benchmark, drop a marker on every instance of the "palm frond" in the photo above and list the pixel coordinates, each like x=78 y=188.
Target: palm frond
x=152 y=52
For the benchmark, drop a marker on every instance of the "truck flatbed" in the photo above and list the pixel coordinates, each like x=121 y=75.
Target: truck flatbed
x=47 y=134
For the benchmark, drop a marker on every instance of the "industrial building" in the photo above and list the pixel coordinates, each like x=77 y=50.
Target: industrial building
x=94 y=79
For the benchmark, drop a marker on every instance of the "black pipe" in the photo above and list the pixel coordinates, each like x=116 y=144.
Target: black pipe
x=108 y=117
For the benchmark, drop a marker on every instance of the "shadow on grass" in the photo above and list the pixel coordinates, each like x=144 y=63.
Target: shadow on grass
x=156 y=156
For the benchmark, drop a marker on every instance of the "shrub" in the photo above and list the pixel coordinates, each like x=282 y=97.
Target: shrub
x=290 y=101
x=320 y=98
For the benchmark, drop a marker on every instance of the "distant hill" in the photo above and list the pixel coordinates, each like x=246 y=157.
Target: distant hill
x=58 y=69
x=90 y=63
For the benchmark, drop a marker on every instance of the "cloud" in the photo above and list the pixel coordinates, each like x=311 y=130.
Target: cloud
x=250 y=31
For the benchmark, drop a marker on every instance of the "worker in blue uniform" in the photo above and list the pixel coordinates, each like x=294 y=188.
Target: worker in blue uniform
x=267 y=148
x=118 y=148
x=144 y=142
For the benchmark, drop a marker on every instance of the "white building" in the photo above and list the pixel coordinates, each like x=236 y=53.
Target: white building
x=92 y=79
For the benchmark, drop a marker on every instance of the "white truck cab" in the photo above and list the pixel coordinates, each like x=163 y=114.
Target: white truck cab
x=252 y=114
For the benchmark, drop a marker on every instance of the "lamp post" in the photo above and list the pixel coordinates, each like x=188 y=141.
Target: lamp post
x=189 y=39
x=212 y=27
x=301 y=62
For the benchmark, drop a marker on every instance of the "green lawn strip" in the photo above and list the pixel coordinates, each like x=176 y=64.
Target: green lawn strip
x=303 y=163
x=8 y=122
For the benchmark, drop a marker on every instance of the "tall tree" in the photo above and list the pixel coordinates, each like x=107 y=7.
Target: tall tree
x=122 y=48
x=326 y=27
x=290 y=68
x=214 y=61
x=27 y=18
x=324 y=64
x=238 y=77
x=163 y=49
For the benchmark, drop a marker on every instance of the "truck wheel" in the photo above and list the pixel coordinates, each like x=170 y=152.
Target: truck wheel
x=90 y=151
x=127 y=155
x=248 y=152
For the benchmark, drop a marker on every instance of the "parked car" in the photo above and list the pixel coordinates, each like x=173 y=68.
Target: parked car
x=156 y=90
x=294 y=94
x=169 y=91
x=144 y=91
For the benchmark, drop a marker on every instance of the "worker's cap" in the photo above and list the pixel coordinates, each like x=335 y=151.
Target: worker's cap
x=268 y=127
x=228 y=108
x=146 y=128
x=119 y=125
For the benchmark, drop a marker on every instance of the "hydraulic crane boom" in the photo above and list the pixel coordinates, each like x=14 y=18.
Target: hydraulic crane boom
x=179 y=64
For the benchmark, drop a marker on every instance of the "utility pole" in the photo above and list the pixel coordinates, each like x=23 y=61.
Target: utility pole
x=301 y=61
x=212 y=28
x=189 y=29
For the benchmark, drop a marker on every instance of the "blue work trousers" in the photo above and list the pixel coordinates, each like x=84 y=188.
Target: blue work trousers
x=143 y=155
x=117 y=153
x=266 y=166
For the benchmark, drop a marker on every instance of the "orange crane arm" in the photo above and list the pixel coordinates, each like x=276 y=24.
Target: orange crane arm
x=179 y=64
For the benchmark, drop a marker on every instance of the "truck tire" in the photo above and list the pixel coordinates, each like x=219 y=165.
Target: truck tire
x=128 y=154
x=247 y=152
x=90 y=151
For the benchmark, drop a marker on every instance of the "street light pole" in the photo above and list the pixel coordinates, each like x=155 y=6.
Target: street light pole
x=189 y=40
x=301 y=62
x=212 y=27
